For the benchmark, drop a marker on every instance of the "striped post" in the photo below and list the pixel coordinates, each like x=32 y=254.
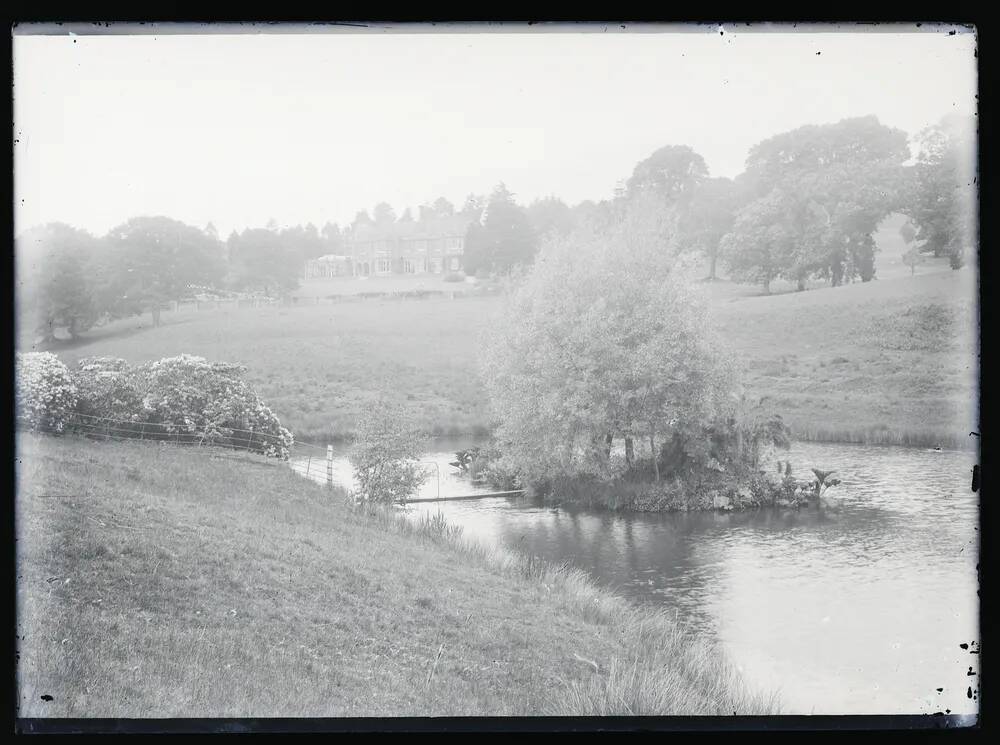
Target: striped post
x=329 y=465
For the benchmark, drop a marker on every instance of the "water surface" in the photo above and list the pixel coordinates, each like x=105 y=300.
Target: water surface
x=860 y=610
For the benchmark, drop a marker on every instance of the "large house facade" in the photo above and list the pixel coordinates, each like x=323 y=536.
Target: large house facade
x=432 y=246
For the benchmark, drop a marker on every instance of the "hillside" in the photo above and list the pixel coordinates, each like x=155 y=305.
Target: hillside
x=886 y=361
x=156 y=581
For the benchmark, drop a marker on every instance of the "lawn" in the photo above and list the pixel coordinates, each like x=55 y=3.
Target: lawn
x=158 y=581
x=890 y=361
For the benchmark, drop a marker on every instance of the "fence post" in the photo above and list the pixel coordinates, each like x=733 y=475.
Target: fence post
x=329 y=465
x=142 y=432
x=308 y=465
x=250 y=441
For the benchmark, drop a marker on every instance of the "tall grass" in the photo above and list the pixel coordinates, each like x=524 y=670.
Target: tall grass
x=159 y=581
x=884 y=435
x=662 y=668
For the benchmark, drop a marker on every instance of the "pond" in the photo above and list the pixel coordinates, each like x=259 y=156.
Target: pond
x=861 y=610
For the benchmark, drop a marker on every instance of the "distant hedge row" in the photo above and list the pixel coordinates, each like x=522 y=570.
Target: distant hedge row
x=184 y=399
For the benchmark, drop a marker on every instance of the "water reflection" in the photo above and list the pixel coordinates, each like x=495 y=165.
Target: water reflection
x=859 y=610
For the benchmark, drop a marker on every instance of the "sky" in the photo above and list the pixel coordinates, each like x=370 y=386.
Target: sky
x=241 y=128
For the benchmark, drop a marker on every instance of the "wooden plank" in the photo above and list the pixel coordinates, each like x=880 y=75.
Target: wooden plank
x=515 y=492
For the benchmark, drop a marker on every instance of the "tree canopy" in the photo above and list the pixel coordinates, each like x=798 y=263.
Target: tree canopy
x=816 y=195
x=944 y=196
x=503 y=239
x=262 y=262
x=157 y=259
x=602 y=339
x=56 y=268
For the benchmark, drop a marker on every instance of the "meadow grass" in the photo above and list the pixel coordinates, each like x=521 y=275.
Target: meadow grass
x=892 y=361
x=157 y=581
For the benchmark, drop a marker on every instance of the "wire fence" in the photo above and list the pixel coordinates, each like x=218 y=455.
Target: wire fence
x=318 y=458
x=308 y=459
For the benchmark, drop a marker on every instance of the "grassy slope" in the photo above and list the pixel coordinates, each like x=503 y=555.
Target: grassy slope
x=877 y=362
x=160 y=582
x=890 y=361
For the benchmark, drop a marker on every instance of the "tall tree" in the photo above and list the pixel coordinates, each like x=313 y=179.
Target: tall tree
x=361 y=218
x=944 y=201
x=443 y=208
x=550 y=215
x=504 y=238
x=577 y=359
x=261 y=262
x=157 y=259
x=384 y=214
x=708 y=217
x=57 y=279
x=672 y=172
x=474 y=204
x=835 y=182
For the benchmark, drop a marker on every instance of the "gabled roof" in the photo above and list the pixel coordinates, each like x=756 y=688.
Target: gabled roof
x=433 y=228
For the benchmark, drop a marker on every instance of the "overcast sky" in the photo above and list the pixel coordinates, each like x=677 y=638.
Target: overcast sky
x=239 y=129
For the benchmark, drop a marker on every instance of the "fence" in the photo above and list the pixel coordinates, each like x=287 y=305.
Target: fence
x=229 y=438
x=305 y=458
x=294 y=302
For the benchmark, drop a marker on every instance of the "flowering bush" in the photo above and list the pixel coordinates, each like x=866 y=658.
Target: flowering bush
x=45 y=393
x=188 y=394
x=109 y=388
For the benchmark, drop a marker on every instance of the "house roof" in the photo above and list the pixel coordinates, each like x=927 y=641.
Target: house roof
x=433 y=228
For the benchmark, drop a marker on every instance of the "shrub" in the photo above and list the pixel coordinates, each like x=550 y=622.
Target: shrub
x=188 y=394
x=385 y=456
x=453 y=277
x=45 y=393
x=109 y=387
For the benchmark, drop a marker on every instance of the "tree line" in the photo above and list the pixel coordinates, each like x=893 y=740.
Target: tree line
x=806 y=207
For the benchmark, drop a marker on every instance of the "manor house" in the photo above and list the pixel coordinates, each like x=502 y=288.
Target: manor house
x=430 y=246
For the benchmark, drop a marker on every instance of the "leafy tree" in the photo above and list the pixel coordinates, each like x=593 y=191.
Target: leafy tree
x=57 y=279
x=577 y=359
x=912 y=258
x=443 y=208
x=474 y=205
x=302 y=243
x=550 y=215
x=672 y=172
x=262 y=262
x=945 y=191
x=333 y=241
x=761 y=242
x=708 y=217
x=503 y=239
x=835 y=184
x=384 y=214
x=385 y=455
x=362 y=218
x=907 y=232
x=407 y=215
x=157 y=259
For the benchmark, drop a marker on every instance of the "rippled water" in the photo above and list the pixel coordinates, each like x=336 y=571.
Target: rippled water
x=856 y=610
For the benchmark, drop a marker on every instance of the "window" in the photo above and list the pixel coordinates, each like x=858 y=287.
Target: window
x=382 y=266
x=436 y=264
x=454 y=263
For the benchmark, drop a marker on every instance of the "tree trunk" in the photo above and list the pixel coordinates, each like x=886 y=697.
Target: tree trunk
x=629 y=451
x=156 y=315
x=608 y=440
x=801 y=284
x=767 y=286
x=711 y=267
